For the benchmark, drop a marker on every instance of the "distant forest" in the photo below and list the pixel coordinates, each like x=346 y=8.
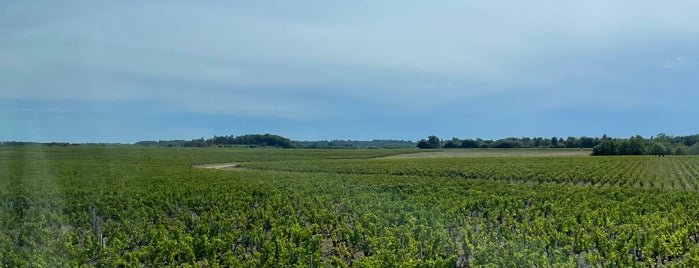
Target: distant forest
x=269 y=140
x=251 y=140
x=661 y=144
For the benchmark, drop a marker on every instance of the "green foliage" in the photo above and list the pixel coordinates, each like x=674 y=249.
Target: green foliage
x=606 y=147
x=694 y=149
x=635 y=145
x=679 y=172
x=661 y=145
x=138 y=206
x=432 y=142
x=250 y=140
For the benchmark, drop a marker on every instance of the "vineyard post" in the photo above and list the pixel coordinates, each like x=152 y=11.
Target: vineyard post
x=422 y=257
x=103 y=240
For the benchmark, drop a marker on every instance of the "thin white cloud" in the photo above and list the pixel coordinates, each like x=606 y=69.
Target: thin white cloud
x=393 y=51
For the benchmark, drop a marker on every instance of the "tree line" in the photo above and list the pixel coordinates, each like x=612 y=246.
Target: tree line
x=661 y=144
x=250 y=140
x=269 y=140
x=433 y=142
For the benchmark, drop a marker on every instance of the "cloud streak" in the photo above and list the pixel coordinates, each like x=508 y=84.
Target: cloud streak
x=305 y=60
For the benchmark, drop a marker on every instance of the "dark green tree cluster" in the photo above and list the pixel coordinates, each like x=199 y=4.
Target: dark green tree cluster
x=524 y=142
x=432 y=142
x=268 y=140
x=250 y=140
x=659 y=145
x=22 y=143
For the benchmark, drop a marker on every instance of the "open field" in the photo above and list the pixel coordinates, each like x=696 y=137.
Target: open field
x=135 y=206
x=450 y=153
x=678 y=172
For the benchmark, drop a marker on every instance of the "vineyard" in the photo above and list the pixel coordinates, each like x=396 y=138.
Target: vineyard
x=152 y=207
x=678 y=172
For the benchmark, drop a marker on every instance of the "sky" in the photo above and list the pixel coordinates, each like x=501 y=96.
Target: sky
x=126 y=71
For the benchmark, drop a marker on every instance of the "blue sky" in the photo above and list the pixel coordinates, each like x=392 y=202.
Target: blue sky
x=124 y=71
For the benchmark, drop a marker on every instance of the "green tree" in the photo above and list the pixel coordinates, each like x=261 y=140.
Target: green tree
x=434 y=142
x=636 y=145
x=606 y=147
x=554 y=142
x=469 y=144
x=694 y=149
x=571 y=142
x=453 y=143
x=422 y=144
x=658 y=149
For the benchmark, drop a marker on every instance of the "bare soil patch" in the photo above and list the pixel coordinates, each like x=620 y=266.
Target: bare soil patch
x=455 y=153
x=226 y=166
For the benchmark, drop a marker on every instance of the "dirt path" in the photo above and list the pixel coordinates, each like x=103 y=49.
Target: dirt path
x=227 y=166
